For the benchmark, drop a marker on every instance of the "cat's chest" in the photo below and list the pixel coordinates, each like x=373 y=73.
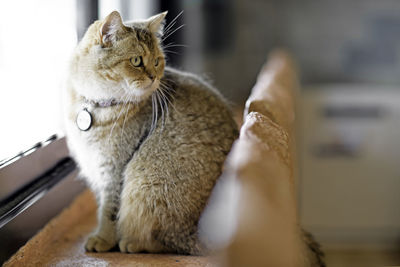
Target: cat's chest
x=110 y=141
x=105 y=142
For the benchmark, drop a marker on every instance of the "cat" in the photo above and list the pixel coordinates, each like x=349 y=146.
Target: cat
x=150 y=140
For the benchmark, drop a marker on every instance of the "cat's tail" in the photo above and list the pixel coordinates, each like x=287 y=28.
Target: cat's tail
x=315 y=253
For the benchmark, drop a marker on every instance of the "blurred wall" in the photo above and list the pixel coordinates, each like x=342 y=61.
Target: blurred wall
x=333 y=41
x=343 y=41
x=350 y=174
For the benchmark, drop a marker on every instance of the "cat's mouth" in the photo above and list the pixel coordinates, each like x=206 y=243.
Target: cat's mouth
x=144 y=90
x=151 y=85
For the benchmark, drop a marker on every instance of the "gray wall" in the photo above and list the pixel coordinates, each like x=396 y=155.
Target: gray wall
x=333 y=41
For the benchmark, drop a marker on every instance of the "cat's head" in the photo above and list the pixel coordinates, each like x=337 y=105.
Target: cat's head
x=119 y=60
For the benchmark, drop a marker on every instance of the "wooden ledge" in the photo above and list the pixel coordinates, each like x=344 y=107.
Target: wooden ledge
x=61 y=243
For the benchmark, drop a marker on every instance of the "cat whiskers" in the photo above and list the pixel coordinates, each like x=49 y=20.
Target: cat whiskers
x=173 y=45
x=162 y=104
x=170 y=51
x=165 y=92
x=165 y=37
x=161 y=97
x=167 y=48
x=169 y=27
x=168 y=31
x=164 y=99
x=154 y=113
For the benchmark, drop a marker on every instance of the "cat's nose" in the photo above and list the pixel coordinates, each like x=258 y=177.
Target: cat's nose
x=151 y=76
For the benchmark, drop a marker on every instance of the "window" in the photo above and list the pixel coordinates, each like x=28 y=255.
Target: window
x=36 y=41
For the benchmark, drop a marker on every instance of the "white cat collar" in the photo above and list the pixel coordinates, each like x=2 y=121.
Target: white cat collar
x=103 y=103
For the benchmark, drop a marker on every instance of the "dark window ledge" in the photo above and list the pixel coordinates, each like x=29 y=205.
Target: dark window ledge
x=34 y=187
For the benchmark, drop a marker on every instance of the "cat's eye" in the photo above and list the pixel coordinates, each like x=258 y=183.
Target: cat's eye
x=156 y=62
x=137 y=61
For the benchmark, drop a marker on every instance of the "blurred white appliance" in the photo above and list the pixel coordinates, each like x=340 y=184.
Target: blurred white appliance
x=349 y=156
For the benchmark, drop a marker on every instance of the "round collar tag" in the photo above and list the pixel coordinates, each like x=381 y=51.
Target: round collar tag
x=84 y=120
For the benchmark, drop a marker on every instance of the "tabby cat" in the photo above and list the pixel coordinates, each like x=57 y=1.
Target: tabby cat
x=149 y=140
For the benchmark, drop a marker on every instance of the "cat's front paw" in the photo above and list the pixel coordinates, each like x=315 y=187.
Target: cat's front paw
x=128 y=246
x=95 y=243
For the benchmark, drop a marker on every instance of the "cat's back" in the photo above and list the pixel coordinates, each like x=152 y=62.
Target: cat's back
x=192 y=94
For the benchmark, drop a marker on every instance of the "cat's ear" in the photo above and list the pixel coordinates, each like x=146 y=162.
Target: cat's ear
x=156 y=23
x=111 y=27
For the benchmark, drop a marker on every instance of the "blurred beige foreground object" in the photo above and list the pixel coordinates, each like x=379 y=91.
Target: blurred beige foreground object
x=274 y=92
x=252 y=216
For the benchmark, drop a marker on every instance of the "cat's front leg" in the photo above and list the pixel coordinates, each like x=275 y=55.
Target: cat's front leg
x=105 y=236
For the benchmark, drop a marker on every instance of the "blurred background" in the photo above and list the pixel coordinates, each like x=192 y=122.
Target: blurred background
x=348 y=56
